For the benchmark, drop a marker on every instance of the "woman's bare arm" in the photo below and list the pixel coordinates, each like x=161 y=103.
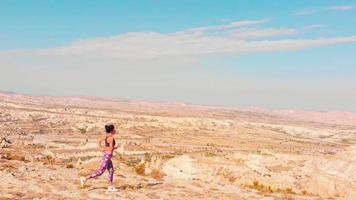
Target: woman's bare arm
x=111 y=143
x=116 y=145
x=100 y=145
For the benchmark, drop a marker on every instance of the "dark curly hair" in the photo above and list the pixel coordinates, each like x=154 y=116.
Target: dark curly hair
x=109 y=128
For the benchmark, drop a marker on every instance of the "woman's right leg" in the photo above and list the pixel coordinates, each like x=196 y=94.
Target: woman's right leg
x=111 y=172
x=103 y=167
x=110 y=168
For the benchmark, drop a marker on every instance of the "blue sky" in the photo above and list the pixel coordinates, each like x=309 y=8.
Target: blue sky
x=272 y=54
x=38 y=24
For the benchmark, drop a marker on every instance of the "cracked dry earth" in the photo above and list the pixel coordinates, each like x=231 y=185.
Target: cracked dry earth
x=170 y=151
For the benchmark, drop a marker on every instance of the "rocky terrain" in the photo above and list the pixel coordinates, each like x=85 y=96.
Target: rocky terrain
x=173 y=150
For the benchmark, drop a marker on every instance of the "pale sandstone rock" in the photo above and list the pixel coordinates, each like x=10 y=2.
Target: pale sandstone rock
x=180 y=167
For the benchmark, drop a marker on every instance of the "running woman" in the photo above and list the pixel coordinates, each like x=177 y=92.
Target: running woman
x=106 y=163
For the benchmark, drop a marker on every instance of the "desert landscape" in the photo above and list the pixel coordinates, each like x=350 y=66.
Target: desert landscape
x=173 y=150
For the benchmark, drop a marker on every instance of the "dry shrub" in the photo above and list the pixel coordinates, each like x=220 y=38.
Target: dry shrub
x=279 y=190
x=258 y=186
x=131 y=161
x=148 y=157
x=268 y=189
x=7 y=166
x=210 y=154
x=210 y=144
x=167 y=156
x=14 y=156
x=232 y=179
x=69 y=165
x=48 y=160
x=37 y=146
x=157 y=174
x=227 y=174
x=140 y=169
x=289 y=191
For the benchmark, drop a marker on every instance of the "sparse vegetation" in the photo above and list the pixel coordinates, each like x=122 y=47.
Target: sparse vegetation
x=69 y=165
x=140 y=169
x=131 y=161
x=37 y=146
x=82 y=130
x=219 y=159
x=256 y=185
x=14 y=156
x=65 y=142
x=157 y=174
x=167 y=156
x=210 y=154
x=148 y=157
x=227 y=174
x=48 y=160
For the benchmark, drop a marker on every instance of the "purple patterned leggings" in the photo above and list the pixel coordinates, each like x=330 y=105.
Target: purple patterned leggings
x=106 y=163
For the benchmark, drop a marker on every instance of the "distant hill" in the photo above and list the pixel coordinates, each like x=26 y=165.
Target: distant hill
x=328 y=117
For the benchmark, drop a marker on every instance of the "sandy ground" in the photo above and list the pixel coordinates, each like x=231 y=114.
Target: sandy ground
x=170 y=151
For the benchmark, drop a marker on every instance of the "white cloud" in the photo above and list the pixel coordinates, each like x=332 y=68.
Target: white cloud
x=341 y=7
x=231 y=25
x=155 y=45
x=260 y=33
x=314 y=26
x=233 y=39
x=305 y=11
x=310 y=11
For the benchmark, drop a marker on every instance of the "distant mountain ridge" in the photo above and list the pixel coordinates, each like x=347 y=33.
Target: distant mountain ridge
x=329 y=117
